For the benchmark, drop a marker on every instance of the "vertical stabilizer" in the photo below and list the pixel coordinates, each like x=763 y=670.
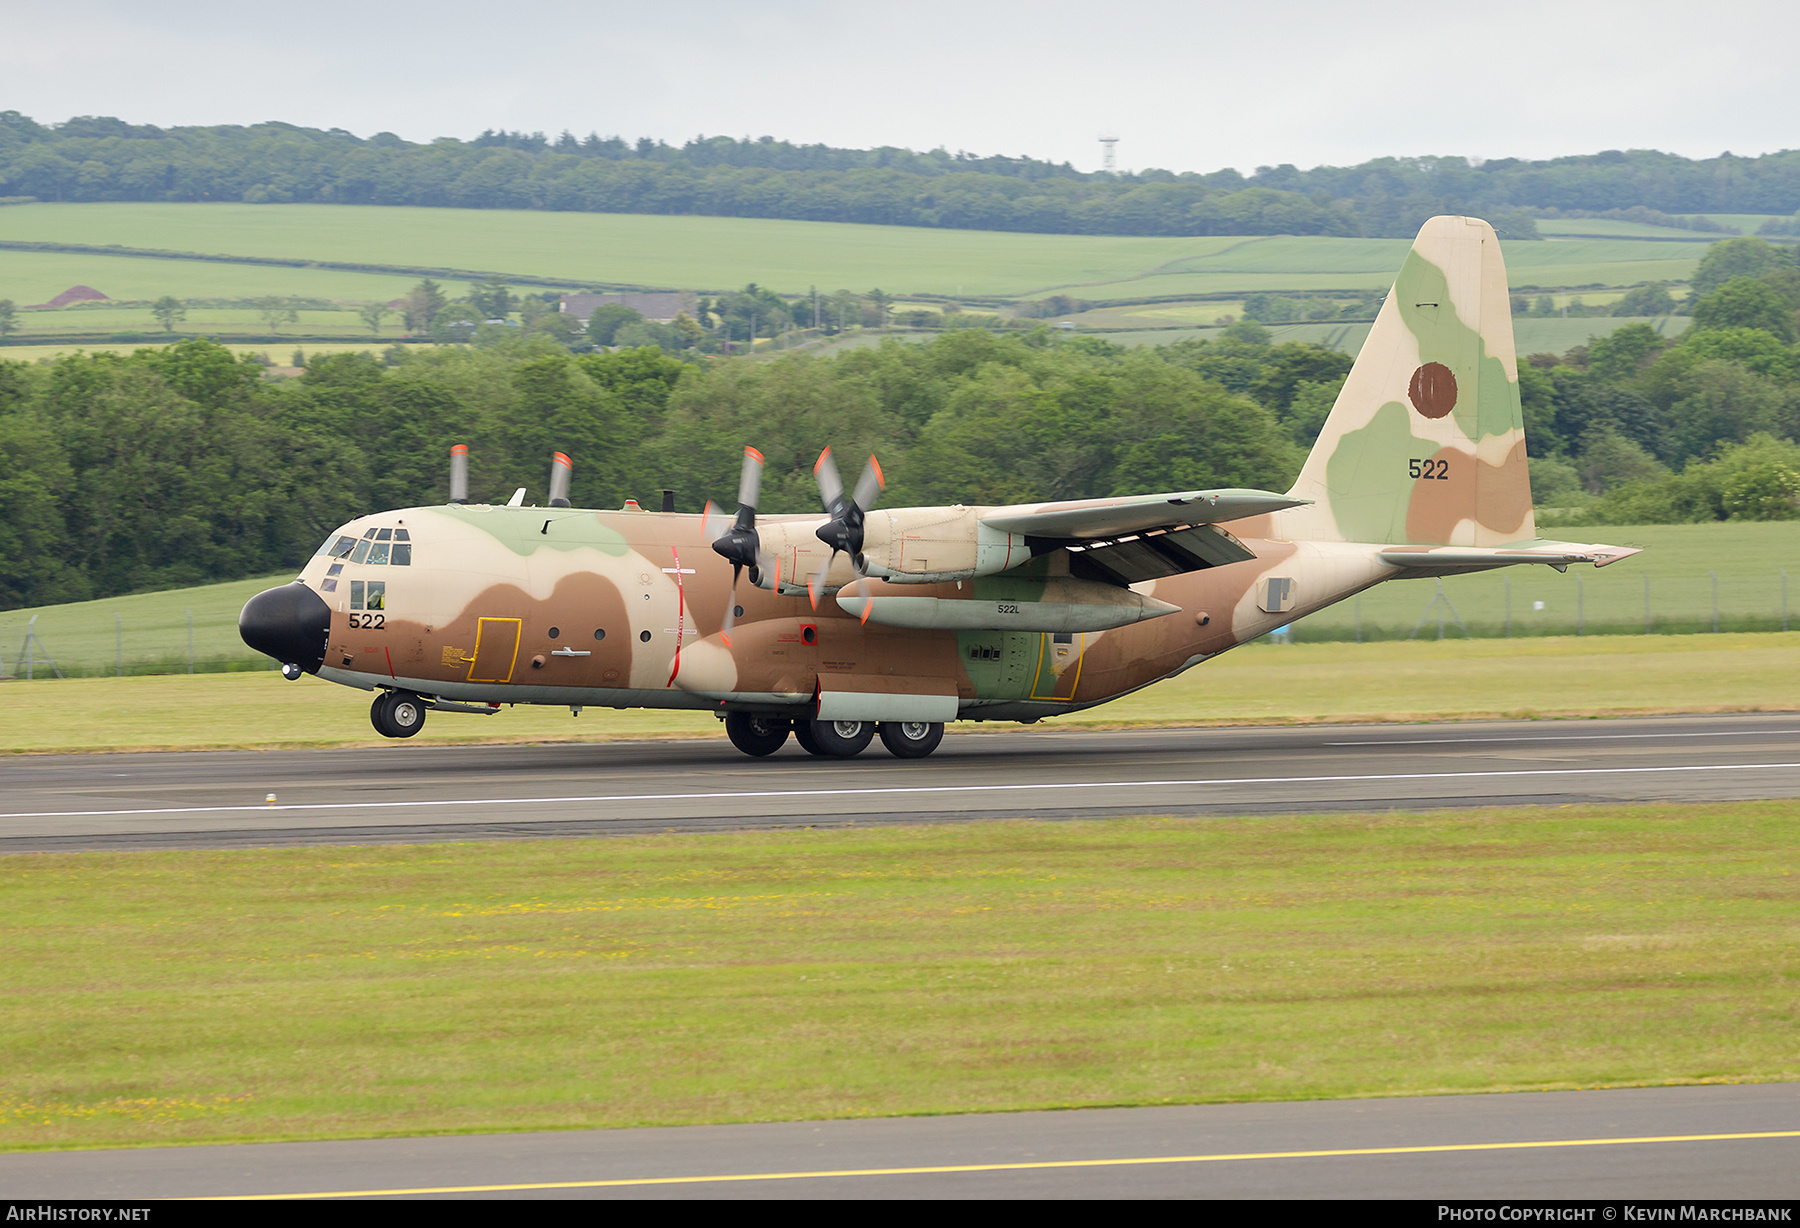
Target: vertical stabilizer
x=1426 y=443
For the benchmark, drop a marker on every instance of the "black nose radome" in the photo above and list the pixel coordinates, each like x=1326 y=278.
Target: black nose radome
x=290 y=623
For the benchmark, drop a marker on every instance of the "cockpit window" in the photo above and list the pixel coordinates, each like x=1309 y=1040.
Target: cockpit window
x=375 y=547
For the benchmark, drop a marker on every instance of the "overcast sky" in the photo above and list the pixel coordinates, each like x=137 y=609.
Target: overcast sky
x=1192 y=85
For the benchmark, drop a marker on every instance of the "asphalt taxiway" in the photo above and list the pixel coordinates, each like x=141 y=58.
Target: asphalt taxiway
x=1706 y=1142
x=423 y=793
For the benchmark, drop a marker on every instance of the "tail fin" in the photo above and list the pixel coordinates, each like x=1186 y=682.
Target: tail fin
x=1426 y=443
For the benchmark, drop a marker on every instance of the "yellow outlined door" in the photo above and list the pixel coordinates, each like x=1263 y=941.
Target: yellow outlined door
x=496 y=649
x=1058 y=665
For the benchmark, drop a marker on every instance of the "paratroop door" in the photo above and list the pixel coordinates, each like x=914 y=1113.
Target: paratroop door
x=496 y=649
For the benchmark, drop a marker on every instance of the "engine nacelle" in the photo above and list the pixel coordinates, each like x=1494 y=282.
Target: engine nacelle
x=933 y=545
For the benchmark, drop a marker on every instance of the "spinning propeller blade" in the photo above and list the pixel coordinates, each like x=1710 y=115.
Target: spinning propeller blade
x=738 y=541
x=844 y=531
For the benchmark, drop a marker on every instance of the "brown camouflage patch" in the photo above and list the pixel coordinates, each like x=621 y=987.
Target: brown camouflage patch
x=1497 y=497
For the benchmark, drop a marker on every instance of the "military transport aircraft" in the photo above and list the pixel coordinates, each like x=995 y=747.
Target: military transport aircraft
x=857 y=622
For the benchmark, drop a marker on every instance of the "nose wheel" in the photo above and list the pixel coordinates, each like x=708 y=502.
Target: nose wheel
x=397 y=714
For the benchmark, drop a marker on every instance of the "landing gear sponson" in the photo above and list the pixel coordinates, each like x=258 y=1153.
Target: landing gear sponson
x=764 y=735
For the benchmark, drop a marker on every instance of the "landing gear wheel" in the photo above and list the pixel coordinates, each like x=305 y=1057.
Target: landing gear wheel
x=841 y=739
x=757 y=735
x=911 y=739
x=397 y=714
x=803 y=734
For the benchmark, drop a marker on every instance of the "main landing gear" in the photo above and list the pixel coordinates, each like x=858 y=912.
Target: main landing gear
x=764 y=735
x=397 y=714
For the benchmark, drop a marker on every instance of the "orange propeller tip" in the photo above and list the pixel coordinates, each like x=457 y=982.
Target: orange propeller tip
x=876 y=466
x=753 y=454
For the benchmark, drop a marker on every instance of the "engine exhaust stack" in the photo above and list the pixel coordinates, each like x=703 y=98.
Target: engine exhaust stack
x=459 y=473
x=561 y=468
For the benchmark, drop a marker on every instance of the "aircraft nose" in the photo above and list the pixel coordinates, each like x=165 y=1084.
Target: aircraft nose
x=290 y=623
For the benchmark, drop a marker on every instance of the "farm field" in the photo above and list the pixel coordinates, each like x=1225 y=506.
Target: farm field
x=38 y=277
x=1553 y=336
x=277 y=352
x=204 y=321
x=1261 y=683
x=182 y=997
x=720 y=254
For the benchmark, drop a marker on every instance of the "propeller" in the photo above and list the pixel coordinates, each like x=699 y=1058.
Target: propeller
x=736 y=540
x=560 y=469
x=844 y=531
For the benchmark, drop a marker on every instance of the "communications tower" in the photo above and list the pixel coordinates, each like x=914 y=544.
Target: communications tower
x=1109 y=161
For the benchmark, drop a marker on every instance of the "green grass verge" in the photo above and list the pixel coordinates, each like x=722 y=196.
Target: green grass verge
x=186 y=997
x=1258 y=684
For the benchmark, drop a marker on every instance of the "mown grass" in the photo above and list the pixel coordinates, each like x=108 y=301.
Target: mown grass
x=1258 y=684
x=165 y=997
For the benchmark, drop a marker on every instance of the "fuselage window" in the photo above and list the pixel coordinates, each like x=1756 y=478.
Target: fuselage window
x=555 y=631
x=342 y=547
x=402 y=556
x=378 y=552
x=362 y=550
x=599 y=633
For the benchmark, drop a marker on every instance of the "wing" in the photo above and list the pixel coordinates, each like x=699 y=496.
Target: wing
x=1101 y=518
x=1145 y=537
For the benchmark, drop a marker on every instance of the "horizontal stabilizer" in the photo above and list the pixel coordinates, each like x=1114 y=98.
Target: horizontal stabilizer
x=1098 y=518
x=1555 y=554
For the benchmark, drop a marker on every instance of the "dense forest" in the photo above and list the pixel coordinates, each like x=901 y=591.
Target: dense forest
x=183 y=464
x=105 y=159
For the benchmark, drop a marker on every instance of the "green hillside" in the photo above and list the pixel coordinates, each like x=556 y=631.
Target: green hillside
x=715 y=254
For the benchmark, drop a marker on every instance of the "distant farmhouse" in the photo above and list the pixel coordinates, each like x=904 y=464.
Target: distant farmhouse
x=662 y=308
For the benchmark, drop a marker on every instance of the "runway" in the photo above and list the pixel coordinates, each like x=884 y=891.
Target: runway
x=1731 y=1142
x=424 y=793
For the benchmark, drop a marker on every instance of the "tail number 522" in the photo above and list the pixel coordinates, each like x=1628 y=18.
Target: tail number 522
x=1429 y=468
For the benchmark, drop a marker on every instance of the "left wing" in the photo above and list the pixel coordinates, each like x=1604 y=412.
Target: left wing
x=1101 y=518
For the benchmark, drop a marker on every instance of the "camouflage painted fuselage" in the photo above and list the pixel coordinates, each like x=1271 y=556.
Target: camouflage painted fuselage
x=624 y=609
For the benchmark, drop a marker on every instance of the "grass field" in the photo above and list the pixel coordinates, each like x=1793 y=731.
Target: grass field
x=38 y=277
x=720 y=253
x=1258 y=684
x=1553 y=336
x=1748 y=559
x=164 y=997
x=204 y=322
